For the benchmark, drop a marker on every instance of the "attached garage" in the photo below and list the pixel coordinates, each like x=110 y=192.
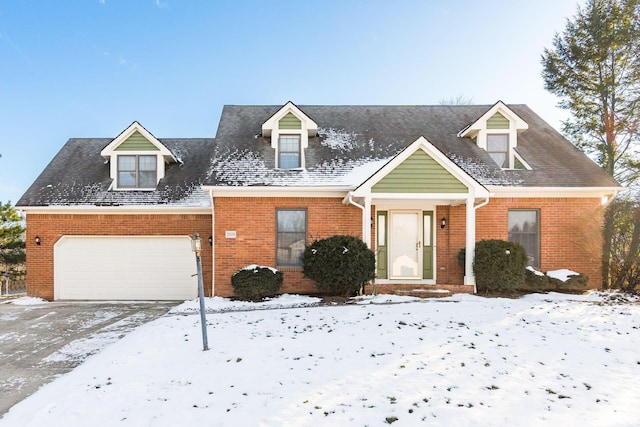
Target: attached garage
x=124 y=268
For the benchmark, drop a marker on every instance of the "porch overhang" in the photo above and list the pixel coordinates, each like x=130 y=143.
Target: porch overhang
x=458 y=188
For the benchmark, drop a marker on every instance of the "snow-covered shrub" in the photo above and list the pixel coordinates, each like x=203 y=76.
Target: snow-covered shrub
x=255 y=282
x=567 y=280
x=499 y=266
x=340 y=265
x=535 y=280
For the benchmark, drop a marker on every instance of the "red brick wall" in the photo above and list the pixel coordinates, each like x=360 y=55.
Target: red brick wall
x=254 y=221
x=50 y=227
x=570 y=234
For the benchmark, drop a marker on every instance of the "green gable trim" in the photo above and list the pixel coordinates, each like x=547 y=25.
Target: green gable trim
x=419 y=174
x=498 y=121
x=290 y=122
x=136 y=142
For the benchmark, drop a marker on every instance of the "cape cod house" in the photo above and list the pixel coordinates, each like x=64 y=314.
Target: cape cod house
x=112 y=218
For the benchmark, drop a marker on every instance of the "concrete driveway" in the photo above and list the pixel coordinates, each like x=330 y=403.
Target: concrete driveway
x=43 y=341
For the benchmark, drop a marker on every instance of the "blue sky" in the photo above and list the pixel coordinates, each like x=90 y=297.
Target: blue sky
x=88 y=68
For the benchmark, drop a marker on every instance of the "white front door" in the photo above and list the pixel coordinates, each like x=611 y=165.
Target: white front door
x=404 y=250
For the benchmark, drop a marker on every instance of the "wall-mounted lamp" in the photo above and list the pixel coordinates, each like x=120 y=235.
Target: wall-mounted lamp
x=443 y=222
x=210 y=240
x=37 y=240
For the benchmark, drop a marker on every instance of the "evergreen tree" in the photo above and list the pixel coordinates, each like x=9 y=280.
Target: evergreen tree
x=594 y=67
x=11 y=237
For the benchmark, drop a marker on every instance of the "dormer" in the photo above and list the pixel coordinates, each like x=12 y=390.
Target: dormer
x=496 y=132
x=289 y=130
x=136 y=159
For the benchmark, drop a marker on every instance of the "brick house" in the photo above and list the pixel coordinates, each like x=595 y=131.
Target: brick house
x=112 y=218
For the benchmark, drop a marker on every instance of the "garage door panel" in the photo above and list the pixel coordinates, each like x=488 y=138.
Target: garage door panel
x=124 y=268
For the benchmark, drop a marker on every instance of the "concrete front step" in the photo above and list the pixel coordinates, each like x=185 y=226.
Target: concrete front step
x=423 y=293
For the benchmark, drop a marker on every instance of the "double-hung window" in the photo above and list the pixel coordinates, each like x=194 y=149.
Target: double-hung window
x=291 y=236
x=498 y=148
x=139 y=171
x=524 y=228
x=289 y=151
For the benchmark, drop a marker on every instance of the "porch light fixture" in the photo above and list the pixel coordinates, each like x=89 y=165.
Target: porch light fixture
x=37 y=240
x=210 y=240
x=196 y=244
x=443 y=222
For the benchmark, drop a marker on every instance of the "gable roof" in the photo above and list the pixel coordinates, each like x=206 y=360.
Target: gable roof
x=353 y=139
x=430 y=150
x=134 y=128
x=79 y=176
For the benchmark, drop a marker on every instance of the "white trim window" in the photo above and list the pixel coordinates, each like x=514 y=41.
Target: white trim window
x=289 y=152
x=498 y=148
x=137 y=171
x=291 y=236
x=524 y=228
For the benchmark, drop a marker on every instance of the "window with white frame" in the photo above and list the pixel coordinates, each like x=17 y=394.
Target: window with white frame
x=291 y=236
x=498 y=148
x=524 y=228
x=137 y=171
x=289 y=151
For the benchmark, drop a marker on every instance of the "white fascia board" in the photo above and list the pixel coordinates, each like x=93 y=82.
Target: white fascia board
x=272 y=123
x=551 y=192
x=422 y=143
x=420 y=196
x=115 y=210
x=277 y=191
x=517 y=123
x=135 y=126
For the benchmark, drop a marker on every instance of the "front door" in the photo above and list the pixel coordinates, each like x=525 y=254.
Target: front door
x=405 y=245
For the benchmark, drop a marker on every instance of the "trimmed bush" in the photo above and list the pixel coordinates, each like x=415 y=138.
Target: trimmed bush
x=535 y=280
x=499 y=266
x=340 y=265
x=255 y=283
x=574 y=282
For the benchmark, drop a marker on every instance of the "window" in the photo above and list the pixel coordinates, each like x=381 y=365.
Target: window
x=524 y=229
x=291 y=236
x=498 y=149
x=289 y=151
x=137 y=171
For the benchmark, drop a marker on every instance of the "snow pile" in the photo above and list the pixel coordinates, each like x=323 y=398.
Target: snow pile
x=562 y=274
x=219 y=304
x=545 y=359
x=27 y=301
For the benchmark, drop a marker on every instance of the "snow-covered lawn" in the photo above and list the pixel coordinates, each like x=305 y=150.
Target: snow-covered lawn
x=465 y=360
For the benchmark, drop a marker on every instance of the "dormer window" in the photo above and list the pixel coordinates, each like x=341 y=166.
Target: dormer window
x=498 y=148
x=137 y=171
x=289 y=129
x=137 y=159
x=289 y=152
x=496 y=132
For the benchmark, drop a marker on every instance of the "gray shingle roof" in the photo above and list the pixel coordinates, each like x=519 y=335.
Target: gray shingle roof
x=350 y=137
x=352 y=143
x=78 y=175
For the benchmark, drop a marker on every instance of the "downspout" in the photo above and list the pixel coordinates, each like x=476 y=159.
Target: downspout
x=484 y=203
x=350 y=201
x=213 y=244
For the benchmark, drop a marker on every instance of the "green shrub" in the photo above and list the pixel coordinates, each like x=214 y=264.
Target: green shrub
x=535 y=281
x=255 y=283
x=340 y=265
x=574 y=282
x=499 y=266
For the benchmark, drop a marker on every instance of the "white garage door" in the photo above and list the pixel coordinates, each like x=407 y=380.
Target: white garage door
x=124 y=268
